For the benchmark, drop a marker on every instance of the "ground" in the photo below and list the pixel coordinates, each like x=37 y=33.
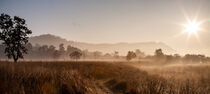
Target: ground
x=103 y=77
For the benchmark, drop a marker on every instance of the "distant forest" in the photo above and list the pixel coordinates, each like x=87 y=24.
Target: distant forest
x=45 y=52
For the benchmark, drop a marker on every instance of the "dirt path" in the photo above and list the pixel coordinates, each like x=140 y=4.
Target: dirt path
x=102 y=89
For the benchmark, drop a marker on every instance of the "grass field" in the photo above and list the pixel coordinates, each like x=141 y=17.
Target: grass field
x=97 y=77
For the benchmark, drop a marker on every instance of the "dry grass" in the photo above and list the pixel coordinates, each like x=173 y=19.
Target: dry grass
x=84 y=77
x=182 y=78
x=38 y=78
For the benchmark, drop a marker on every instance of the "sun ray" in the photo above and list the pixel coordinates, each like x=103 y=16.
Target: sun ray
x=192 y=27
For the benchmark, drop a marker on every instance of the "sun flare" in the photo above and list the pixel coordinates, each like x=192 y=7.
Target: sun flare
x=192 y=27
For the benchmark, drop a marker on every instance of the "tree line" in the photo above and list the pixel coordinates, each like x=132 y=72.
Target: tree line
x=47 y=52
x=160 y=57
x=14 y=35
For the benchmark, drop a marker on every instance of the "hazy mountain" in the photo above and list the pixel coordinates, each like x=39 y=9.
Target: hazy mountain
x=122 y=48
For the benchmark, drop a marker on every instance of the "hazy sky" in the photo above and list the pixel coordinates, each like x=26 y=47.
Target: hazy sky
x=111 y=21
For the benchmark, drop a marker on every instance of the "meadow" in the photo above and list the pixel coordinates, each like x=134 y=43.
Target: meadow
x=102 y=77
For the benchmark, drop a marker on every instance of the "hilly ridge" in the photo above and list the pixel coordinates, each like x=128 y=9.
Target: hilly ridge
x=122 y=48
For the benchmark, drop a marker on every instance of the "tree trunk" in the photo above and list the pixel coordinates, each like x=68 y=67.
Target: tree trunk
x=15 y=59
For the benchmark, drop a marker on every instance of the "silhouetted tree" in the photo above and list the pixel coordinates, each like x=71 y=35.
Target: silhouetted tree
x=69 y=49
x=177 y=58
x=42 y=51
x=116 y=54
x=75 y=55
x=14 y=34
x=139 y=54
x=56 y=54
x=85 y=54
x=107 y=55
x=97 y=54
x=159 y=53
x=130 y=55
x=51 y=51
x=169 y=58
x=29 y=46
x=51 y=48
x=192 y=58
x=62 y=50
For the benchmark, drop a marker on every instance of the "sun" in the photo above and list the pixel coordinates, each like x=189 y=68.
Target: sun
x=192 y=27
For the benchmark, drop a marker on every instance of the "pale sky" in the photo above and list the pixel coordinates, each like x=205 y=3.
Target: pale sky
x=112 y=21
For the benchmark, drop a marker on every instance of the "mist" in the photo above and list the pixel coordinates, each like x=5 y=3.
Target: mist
x=104 y=47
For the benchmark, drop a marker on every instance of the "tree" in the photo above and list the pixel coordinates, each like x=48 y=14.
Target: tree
x=139 y=53
x=14 y=34
x=56 y=54
x=177 y=58
x=85 y=53
x=116 y=54
x=69 y=49
x=29 y=46
x=107 y=55
x=130 y=55
x=51 y=51
x=51 y=48
x=159 y=53
x=42 y=51
x=97 y=54
x=75 y=55
x=62 y=50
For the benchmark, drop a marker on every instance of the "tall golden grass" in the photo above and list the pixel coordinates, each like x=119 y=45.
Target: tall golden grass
x=101 y=77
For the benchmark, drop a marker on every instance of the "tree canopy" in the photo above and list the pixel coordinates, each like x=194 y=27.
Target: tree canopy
x=75 y=55
x=130 y=55
x=14 y=34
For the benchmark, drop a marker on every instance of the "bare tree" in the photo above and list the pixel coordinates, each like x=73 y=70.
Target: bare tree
x=14 y=34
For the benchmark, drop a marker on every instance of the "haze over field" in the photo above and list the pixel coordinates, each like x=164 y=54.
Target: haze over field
x=115 y=21
x=122 y=48
x=104 y=47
